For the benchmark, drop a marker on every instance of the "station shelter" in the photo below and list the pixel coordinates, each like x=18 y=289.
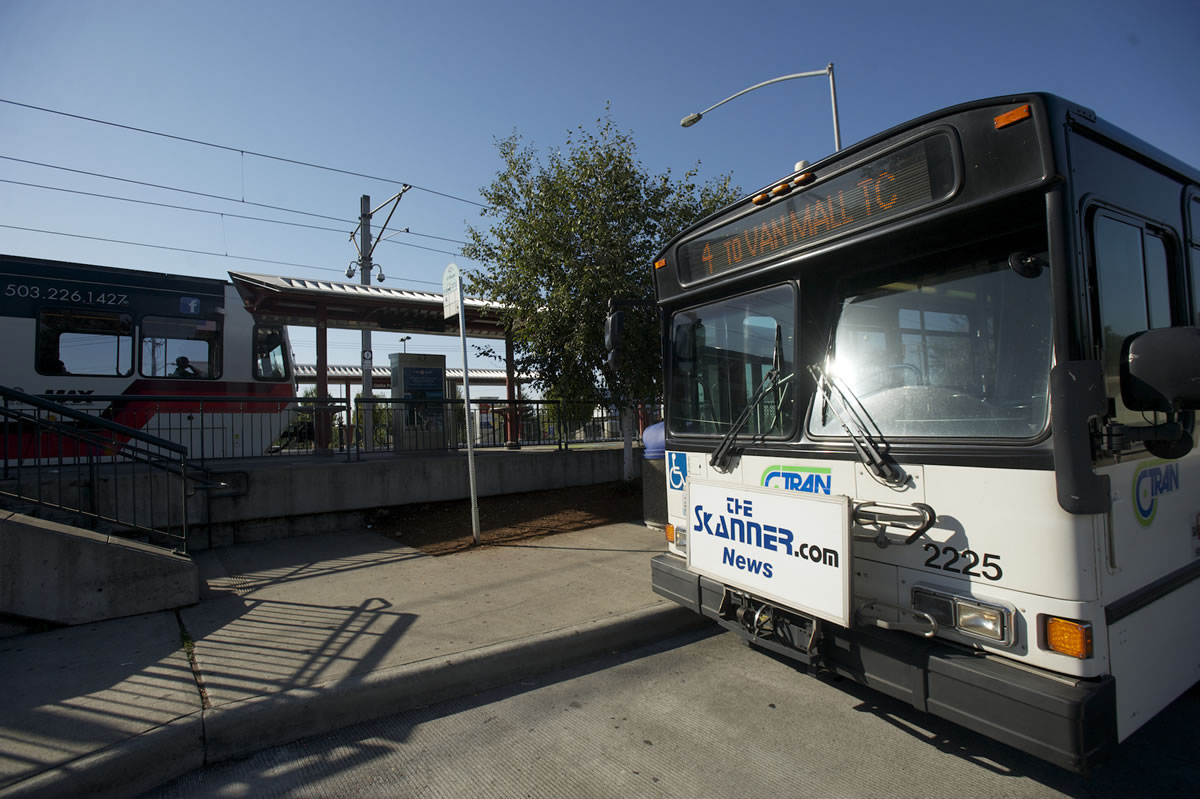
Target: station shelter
x=322 y=304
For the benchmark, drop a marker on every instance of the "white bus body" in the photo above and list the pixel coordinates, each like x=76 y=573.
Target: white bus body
x=917 y=435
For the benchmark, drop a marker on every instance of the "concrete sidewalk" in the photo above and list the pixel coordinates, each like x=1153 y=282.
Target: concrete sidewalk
x=305 y=635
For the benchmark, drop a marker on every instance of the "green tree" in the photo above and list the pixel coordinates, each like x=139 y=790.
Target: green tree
x=570 y=231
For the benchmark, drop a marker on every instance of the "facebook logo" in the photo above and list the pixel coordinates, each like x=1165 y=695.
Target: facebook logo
x=189 y=305
x=676 y=470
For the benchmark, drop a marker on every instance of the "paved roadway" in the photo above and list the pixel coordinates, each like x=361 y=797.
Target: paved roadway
x=699 y=716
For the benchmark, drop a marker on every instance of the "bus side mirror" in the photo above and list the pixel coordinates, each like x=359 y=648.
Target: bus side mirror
x=614 y=338
x=1160 y=370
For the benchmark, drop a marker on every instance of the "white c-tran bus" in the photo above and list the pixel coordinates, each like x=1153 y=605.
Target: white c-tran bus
x=929 y=421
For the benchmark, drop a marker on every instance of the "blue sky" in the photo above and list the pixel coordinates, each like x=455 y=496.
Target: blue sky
x=419 y=92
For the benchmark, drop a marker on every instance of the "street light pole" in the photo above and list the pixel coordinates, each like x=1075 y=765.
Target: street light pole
x=692 y=119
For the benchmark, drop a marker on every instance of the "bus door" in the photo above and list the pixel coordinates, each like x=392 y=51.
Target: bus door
x=1135 y=225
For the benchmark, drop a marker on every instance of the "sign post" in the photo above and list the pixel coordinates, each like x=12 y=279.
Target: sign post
x=452 y=305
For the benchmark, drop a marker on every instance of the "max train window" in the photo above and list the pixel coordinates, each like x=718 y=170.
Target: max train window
x=270 y=361
x=85 y=343
x=181 y=348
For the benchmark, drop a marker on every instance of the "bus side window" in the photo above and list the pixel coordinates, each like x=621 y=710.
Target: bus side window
x=94 y=343
x=1133 y=276
x=181 y=348
x=270 y=362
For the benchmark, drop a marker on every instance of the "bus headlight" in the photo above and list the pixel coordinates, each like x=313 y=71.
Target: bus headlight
x=967 y=615
x=677 y=536
x=984 y=621
x=941 y=608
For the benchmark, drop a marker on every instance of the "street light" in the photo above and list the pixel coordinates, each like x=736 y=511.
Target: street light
x=692 y=119
x=404 y=340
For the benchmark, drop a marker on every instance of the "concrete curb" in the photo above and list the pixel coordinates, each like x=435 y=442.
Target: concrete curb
x=242 y=728
x=128 y=768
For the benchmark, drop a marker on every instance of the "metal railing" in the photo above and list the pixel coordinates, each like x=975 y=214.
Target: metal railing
x=222 y=428
x=119 y=479
x=312 y=425
x=426 y=425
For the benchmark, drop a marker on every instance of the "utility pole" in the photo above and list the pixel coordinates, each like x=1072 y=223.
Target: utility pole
x=364 y=271
x=365 y=248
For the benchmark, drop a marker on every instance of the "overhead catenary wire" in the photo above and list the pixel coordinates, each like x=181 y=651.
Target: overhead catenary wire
x=172 y=205
x=217 y=213
x=187 y=250
x=170 y=188
x=240 y=150
x=212 y=196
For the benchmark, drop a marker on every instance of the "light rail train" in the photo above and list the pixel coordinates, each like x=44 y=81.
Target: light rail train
x=177 y=357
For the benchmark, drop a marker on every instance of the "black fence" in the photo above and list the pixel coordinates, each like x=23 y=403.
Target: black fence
x=220 y=428
x=67 y=466
x=423 y=425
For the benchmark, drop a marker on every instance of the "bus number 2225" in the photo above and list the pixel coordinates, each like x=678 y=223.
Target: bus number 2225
x=964 y=561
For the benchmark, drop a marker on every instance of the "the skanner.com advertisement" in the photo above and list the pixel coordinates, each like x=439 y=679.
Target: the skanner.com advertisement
x=791 y=549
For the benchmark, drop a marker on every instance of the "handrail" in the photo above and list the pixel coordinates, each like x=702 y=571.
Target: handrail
x=208 y=426
x=103 y=471
x=112 y=427
x=266 y=398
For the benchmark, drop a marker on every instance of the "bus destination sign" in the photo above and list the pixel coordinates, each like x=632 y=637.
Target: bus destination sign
x=912 y=177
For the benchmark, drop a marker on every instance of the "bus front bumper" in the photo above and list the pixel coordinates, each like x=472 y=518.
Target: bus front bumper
x=1066 y=721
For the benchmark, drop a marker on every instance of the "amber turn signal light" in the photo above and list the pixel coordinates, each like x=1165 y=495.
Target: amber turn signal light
x=1069 y=637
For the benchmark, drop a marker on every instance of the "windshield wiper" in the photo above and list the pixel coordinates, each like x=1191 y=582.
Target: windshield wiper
x=771 y=380
x=869 y=452
x=720 y=456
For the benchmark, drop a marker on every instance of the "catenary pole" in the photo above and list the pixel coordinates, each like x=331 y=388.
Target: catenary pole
x=364 y=271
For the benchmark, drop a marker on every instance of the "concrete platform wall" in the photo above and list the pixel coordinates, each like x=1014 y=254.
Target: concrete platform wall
x=277 y=498
x=65 y=575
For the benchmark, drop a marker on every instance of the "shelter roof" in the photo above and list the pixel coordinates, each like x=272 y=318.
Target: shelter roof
x=307 y=373
x=301 y=301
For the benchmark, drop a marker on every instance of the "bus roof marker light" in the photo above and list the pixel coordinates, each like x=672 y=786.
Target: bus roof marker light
x=660 y=263
x=1069 y=637
x=1013 y=117
x=761 y=199
x=804 y=179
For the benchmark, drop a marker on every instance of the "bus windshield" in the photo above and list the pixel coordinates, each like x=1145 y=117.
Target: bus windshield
x=962 y=350
x=723 y=354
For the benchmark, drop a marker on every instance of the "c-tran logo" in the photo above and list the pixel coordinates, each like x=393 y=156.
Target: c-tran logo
x=808 y=479
x=1151 y=481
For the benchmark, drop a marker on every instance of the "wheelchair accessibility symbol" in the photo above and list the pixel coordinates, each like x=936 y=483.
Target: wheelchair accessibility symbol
x=676 y=470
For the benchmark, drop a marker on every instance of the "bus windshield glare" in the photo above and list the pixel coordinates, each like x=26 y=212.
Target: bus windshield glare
x=955 y=352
